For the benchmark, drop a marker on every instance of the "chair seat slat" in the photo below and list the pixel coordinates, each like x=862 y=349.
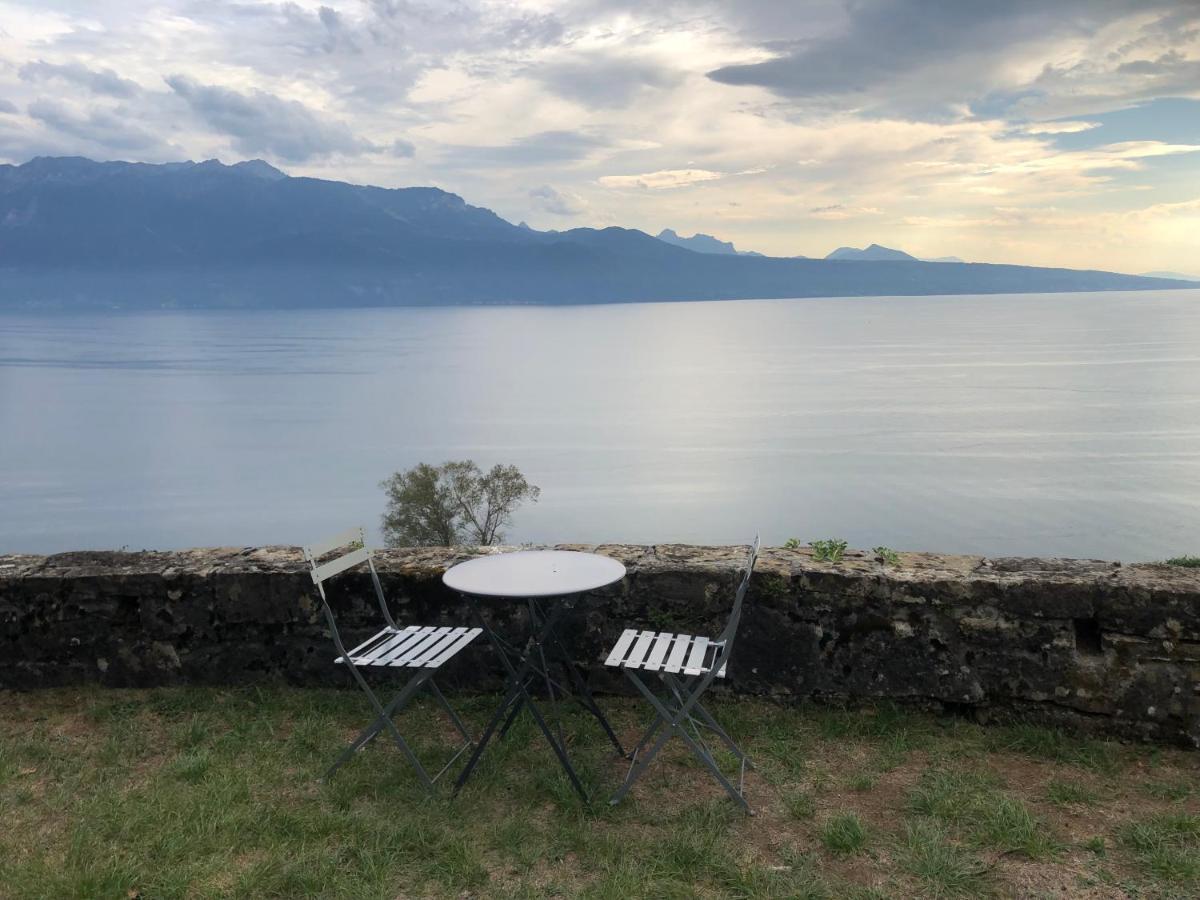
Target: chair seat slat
x=695 y=662
x=411 y=637
x=445 y=638
x=658 y=652
x=384 y=647
x=369 y=641
x=622 y=648
x=449 y=651
x=640 y=649
x=678 y=653
x=417 y=649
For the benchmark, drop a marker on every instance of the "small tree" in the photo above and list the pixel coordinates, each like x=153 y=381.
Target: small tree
x=454 y=503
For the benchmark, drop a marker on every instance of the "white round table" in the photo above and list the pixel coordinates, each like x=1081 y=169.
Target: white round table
x=535 y=576
x=534 y=573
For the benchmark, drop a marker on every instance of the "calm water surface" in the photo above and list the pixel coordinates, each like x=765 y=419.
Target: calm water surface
x=1032 y=424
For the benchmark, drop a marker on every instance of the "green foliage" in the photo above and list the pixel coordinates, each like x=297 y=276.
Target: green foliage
x=1170 y=790
x=800 y=805
x=1007 y=825
x=1187 y=562
x=947 y=869
x=1065 y=793
x=861 y=782
x=454 y=503
x=886 y=555
x=1054 y=745
x=1166 y=846
x=844 y=834
x=792 y=544
x=990 y=817
x=830 y=550
x=214 y=793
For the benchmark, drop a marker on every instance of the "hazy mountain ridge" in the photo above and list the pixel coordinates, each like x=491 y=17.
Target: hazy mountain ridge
x=76 y=233
x=873 y=253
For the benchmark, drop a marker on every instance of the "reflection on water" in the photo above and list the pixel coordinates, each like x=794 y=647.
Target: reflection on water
x=1034 y=424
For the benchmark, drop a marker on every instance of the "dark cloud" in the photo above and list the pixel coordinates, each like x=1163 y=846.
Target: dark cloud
x=544 y=148
x=921 y=58
x=1171 y=61
x=604 y=81
x=404 y=149
x=108 y=129
x=258 y=122
x=547 y=199
x=98 y=81
x=7 y=106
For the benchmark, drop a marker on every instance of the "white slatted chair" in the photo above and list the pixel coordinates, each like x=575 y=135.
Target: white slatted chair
x=686 y=665
x=420 y=649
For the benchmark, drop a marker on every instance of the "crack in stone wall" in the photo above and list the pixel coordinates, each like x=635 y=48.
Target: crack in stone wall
x=1106 y=647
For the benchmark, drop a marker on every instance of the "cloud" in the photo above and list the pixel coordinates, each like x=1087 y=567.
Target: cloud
x=259 y=122
x=558 y=203
x=7 y=106
x=403 y=149
x=98 y=81
x=604 y=80
x=938 y=59
x=1058 y=127
x=543 y=148
x=98 y=127
x=664 y=178
x=838 y=211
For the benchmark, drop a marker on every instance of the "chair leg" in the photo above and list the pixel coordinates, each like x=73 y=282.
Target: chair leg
x=383 y=716
x=712 y=725
x=458 y=723
x=674 y=720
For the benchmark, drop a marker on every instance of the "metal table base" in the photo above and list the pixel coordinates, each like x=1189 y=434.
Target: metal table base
x=524 y=666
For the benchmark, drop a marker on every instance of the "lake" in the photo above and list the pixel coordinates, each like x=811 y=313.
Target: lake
x=1057 y=424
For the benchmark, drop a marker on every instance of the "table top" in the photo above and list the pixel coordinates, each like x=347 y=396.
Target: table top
x=534 y=573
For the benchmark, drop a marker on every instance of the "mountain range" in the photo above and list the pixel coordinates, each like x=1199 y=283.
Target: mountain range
x=77 y=234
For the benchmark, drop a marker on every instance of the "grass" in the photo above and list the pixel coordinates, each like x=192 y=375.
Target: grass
x=844 y=833
x=191 y=792
x=1069 y=792
x=944 y=867
x=1188 y=562
x=1167 y=845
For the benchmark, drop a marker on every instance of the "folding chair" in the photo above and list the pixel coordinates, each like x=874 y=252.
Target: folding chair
x=423 y=649
x=686 y=665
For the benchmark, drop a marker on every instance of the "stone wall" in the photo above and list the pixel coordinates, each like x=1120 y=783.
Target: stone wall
x=1112 y=648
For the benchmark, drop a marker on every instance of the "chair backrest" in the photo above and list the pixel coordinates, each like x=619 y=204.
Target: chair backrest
x=735 y=616
x=354 y=551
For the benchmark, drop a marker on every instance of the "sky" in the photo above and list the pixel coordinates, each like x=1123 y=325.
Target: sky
x=1055 y=132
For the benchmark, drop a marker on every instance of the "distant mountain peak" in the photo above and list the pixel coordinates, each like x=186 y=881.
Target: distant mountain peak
x=700 y=243
x=872 y=253
x=259 y=168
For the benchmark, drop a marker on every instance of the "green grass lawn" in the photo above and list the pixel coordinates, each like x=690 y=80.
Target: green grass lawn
x=215 y=793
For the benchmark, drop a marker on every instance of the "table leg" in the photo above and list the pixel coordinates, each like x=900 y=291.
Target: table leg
x=583 y=693
x=518 y=693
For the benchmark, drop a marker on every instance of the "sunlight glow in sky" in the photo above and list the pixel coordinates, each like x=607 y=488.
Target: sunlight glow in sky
x=1045 y=133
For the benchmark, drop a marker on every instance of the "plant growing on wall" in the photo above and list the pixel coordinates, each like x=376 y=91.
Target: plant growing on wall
x=886 y=555
x=830 y=550
x=454 y=503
